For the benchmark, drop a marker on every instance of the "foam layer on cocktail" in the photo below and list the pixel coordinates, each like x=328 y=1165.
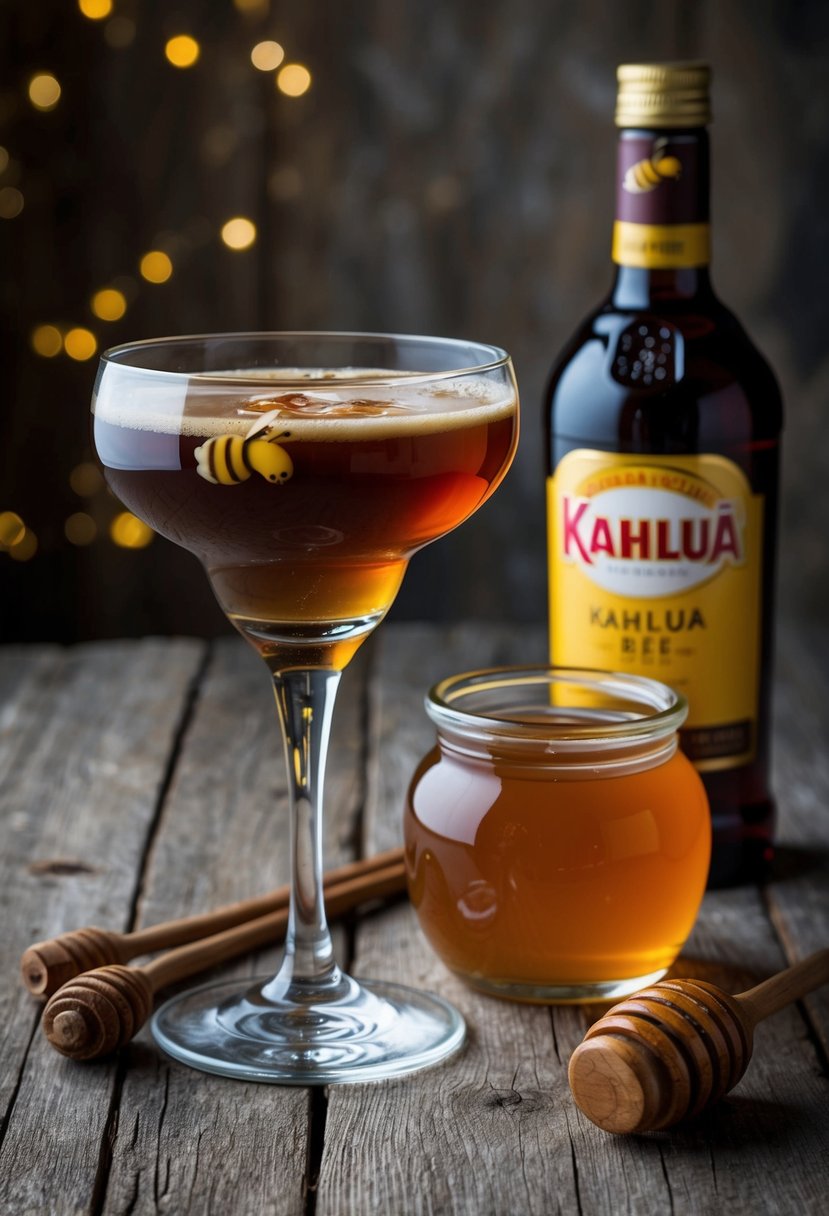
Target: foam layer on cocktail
x=323 y=406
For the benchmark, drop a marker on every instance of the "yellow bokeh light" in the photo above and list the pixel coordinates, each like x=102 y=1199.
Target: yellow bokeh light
x=86 y=479
x=80 y=344
x=182 y=51
x=44 y=91
x=267 y=56
x=4 y=159
x=293 y=80
x=25 y=548
x=239 y=233
x=109 y=304
x=12 y=529
x=130 y=532
x=47 y=341
x=95 y=10
x=80 y=529
x=156 y=266
x=256 y=7
x=11 y=203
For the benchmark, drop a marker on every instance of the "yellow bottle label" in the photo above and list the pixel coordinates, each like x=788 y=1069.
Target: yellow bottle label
x=655 y=569
x=661 y=246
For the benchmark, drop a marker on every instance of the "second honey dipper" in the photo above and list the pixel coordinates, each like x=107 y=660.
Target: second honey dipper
x=46 y=966
x=103 y=1009
x=666 y=1053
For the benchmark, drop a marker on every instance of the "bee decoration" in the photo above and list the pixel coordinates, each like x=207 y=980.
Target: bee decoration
x=227 y=460
x=649 y=173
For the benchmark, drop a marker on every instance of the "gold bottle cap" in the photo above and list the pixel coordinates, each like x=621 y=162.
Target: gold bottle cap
x=656 y=95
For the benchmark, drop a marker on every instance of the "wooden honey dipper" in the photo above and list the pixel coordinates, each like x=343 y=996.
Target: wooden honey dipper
x=101 y=1010
x=46 y=966
x=664 y=1053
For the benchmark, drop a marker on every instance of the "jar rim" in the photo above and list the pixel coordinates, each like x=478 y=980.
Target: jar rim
x=645 y=709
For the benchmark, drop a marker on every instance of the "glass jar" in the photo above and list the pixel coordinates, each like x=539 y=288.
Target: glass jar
x=557 y=841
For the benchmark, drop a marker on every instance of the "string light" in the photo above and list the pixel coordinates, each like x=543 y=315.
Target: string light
x=44 y=91
x=24 y=549
x=267 y=56
x=109 y=304
x=182 y=51
x=80 y=344
x=156 y=266
x=239 y=233
x=80 y=529
x=293 y=80
x=11 y=202
x=95 y=10
x=12 y=529
x=47 y=341
x=129 y=532
x=86 y=479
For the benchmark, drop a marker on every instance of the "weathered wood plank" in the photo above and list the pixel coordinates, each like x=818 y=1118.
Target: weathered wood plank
x=497 y=1124
x=187 y=1142
x=799 y=896
x=85 y=737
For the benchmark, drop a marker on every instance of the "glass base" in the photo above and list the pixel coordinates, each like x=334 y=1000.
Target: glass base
x=364 y=1031
x=576 y=993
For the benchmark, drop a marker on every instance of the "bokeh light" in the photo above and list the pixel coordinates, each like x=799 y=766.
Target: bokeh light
x=267 y=56
x=12 y=529
x=4 y=159
x=80 y=343
x=24 y=549
x=156 y=266
x=257 y=8
x=130 y=532
x=239 y=233
x=109 y=304
x=47 y=341
x=11 y=203
x=95 y=10
x=182 y=51
x=86 y=479
x=293 y=80
x=44 y=91
x=80 y=529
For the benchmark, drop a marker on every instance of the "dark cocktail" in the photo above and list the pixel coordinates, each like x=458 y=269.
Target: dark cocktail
x=304 y=471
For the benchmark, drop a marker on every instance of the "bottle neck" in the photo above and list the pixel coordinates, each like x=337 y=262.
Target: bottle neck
x=661 y=230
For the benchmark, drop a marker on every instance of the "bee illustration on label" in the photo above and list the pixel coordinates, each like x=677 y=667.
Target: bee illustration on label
x=649 y=173
x=228 y=460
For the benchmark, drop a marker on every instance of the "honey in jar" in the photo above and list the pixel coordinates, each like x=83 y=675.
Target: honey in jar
x=557 y=840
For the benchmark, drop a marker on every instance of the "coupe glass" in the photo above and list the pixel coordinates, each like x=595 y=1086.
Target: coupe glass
x=304 y=470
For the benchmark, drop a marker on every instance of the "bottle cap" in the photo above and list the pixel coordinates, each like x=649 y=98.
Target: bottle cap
x=657 y=95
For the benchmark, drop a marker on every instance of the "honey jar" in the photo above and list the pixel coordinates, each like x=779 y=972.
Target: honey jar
x=557 y=840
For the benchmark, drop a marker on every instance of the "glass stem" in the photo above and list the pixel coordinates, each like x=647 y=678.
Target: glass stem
x=305 y=700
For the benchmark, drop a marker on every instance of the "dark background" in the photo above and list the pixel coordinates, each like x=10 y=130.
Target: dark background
x=449 y=171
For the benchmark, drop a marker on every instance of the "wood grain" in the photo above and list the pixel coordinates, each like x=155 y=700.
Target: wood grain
x=498 y=1121
x=86 y=736
x=223 y=836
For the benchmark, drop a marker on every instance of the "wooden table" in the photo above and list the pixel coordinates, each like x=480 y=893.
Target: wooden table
x=143 y=780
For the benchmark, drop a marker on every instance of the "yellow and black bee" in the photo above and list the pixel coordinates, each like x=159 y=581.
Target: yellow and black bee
x=227 y=460
x=649 y=173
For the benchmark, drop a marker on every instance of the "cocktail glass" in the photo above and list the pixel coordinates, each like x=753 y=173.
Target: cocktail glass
x=304 y=470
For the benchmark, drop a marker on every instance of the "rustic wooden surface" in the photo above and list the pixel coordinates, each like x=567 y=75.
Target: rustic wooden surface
x=143 y=780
